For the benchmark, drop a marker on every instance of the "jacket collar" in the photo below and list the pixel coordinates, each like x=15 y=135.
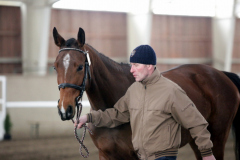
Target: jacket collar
x=153 y=78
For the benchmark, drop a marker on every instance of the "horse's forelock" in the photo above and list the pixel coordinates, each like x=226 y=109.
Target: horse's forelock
x=71 y=42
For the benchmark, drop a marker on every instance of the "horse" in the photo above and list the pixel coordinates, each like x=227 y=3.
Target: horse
x=214 y=92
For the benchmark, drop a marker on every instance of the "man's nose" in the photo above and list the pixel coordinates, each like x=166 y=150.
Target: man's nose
x=131 y=70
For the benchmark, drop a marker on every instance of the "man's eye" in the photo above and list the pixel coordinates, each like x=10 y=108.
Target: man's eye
x=80 y=68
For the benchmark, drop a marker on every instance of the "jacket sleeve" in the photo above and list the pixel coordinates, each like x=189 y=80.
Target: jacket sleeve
x=185 y=113
x=111 y=117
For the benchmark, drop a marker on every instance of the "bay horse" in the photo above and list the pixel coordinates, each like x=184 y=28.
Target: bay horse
x=215 y=93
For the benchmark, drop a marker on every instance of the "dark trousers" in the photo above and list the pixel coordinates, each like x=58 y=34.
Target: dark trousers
x=167 y=158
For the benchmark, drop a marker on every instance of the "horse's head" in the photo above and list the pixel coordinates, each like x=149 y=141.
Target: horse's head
x=72 y=67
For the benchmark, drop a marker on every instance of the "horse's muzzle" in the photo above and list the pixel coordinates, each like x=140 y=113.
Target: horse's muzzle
x=68 y=114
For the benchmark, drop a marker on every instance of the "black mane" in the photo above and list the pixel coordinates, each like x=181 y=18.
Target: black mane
x=111 y=64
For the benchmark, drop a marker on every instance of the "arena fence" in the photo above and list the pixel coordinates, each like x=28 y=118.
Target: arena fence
x=2 y=105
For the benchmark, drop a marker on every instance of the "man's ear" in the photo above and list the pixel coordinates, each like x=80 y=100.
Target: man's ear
x=149 y=66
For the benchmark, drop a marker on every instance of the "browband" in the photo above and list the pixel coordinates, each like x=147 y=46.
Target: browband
x=76 y=49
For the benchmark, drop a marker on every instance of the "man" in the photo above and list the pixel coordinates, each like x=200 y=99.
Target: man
x=156 y=108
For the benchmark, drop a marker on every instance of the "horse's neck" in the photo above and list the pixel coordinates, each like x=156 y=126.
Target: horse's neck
x=109 y=81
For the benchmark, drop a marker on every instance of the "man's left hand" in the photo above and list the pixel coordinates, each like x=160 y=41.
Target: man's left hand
x=209 y=158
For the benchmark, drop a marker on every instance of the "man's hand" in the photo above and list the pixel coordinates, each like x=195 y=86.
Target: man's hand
x=82 y=121
x=209 y=158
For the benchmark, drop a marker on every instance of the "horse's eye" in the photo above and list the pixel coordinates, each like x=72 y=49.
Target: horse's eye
x=80 y=68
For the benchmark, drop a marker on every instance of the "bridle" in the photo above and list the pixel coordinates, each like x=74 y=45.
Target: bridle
x=81 y=88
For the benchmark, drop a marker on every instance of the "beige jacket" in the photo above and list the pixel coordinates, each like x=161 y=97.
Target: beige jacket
x=156 y=109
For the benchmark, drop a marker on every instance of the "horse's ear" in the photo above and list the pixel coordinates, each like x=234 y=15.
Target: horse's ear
x=81 y=37
x=59 y=41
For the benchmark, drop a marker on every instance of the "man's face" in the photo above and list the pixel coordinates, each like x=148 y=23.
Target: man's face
x=139 y=71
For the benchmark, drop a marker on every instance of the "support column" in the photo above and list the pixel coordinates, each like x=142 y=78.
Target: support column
x=139 y=25
x=223 y=34
x=36 y=16
x=3 y=98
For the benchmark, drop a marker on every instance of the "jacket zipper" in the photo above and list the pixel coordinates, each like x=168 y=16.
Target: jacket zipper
x=144 y=96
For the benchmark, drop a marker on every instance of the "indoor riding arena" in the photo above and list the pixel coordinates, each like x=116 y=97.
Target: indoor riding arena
x=180 y=32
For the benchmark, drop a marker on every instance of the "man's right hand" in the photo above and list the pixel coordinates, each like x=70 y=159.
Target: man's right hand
x=82 y=121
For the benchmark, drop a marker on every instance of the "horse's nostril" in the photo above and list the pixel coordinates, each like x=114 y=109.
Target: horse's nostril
x=59 y=111
x=69 y=112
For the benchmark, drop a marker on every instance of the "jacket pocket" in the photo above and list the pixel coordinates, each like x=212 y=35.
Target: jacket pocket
x=168 y=135
x=159 y=140
x=165 y=138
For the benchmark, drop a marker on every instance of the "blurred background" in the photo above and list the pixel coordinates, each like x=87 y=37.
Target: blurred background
x=180 y=32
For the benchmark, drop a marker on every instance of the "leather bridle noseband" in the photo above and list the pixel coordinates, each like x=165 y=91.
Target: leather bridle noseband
x=81 y=88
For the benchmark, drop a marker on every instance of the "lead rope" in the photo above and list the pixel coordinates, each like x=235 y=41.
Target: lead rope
x=79 y=111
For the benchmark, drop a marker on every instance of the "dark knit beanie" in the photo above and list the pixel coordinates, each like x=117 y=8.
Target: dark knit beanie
x=143 y=54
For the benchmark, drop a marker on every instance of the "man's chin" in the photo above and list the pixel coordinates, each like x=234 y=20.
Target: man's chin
x=137 y=80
